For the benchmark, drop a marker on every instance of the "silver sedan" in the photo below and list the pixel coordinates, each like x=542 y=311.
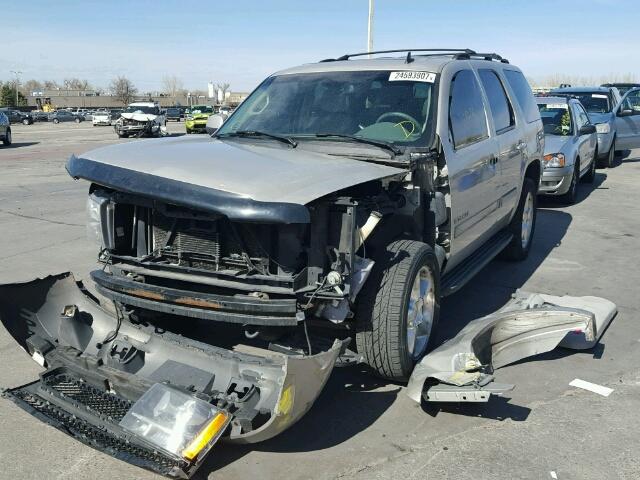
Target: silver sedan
x=571 y=147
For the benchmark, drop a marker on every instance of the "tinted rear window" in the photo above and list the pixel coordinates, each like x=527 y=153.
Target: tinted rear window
x=501 y=110
x=523 y=94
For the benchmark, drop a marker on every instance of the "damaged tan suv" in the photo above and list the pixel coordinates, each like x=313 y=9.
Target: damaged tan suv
x=321 y=224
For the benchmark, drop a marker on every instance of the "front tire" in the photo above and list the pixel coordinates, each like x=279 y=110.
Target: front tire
x=77 y=120
x=590 y=176
x=25 y=121
x=7 y=138
x=569 y=198
x=522 y=224
x=398 y=309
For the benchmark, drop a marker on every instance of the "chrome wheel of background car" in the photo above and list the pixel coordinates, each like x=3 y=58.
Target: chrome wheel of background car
x=527 y=220
x=25 y=121
x=420 y=313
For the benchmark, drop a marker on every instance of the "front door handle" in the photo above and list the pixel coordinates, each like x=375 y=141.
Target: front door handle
x=521 y=145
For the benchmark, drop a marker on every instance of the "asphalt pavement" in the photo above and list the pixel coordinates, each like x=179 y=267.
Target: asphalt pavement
x=362 y=427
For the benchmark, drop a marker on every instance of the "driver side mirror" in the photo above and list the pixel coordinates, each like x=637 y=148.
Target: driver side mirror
x=625 y=112
x=214 y=122
x=587 y=129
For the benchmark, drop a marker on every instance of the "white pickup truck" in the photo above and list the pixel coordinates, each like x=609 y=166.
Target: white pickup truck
x=141 y=118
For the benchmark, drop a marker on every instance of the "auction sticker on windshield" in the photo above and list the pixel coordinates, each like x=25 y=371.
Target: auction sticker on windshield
x=412 y=76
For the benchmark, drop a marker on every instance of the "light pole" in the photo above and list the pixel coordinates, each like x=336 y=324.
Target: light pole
x=370 y=28
x=17 y=74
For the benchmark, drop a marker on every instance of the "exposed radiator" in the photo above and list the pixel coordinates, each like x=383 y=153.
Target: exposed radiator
x=191 y=239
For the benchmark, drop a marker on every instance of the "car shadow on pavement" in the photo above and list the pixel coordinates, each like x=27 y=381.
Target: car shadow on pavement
x=346 y=406
x=20 y=144
x=353 y=399
x=584 y=190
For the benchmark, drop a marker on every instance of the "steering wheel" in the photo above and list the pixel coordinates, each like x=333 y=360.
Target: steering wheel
x=401 y=115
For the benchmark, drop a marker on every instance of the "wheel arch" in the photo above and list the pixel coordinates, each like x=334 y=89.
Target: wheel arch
x=534 y=172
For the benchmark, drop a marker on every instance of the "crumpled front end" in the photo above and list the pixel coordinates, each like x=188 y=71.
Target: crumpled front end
x=461 y=370
x=145 y=395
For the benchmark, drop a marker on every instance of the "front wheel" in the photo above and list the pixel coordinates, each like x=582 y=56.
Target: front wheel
x=25 y=121
x=398 y=309
x=7 y=138
x=56 y=121
x=590 y=176
x=523 y=223
x=77 y=120
x=569 y=198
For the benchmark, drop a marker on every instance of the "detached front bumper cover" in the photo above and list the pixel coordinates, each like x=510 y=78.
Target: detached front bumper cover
x=461 y=370
x=96 y=384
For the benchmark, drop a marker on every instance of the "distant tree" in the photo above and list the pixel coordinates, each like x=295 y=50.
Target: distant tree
x=172 y=86
x=76 y=84
x=50 y=85
x=123 y=89
x=8 y=96
x=31 y=86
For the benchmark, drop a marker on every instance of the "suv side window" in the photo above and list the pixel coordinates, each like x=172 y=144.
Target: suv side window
x=467 y=116
x=501 y=109
x=523 y=94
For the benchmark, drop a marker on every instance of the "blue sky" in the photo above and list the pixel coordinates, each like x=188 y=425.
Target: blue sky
x=242 y=41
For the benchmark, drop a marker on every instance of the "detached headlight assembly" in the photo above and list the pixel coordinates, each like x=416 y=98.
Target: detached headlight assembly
x=603 y=128
x=554 y=160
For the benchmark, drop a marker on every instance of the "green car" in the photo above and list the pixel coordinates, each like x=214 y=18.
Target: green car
x=196 y=119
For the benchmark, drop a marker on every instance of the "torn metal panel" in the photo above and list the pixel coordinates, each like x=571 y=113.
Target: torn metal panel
x=528 y=325
x=97 y=370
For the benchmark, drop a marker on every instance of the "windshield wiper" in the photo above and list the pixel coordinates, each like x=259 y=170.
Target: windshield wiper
x=377 y=143
x=255 y=133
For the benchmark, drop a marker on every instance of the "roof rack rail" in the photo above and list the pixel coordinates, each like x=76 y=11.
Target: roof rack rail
x=445 y=51
x=481 y=56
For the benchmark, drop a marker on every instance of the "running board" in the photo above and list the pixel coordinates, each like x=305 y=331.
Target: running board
x=456 y=279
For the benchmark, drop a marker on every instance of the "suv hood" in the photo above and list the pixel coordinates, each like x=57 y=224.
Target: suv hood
x=262 y=173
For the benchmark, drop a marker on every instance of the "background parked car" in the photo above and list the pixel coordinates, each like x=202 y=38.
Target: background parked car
x=622 y=87
x=115 y=113
x=173 y=113
x=5 y=129
x=571 y=147
x=600 y=103
x=16 y=116
x=628 y=121
x=64 y=116
x=40 y=116
x=101 y=118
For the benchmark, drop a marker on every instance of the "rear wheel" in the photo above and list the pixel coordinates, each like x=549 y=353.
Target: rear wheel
x=25 y=121
x=77 y=120
x=522 y=224
x=7 y=138
x=398 y=309
x=55 y=120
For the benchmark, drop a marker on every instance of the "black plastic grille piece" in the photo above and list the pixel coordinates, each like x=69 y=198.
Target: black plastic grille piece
x=97 y=437
x=94 y=399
